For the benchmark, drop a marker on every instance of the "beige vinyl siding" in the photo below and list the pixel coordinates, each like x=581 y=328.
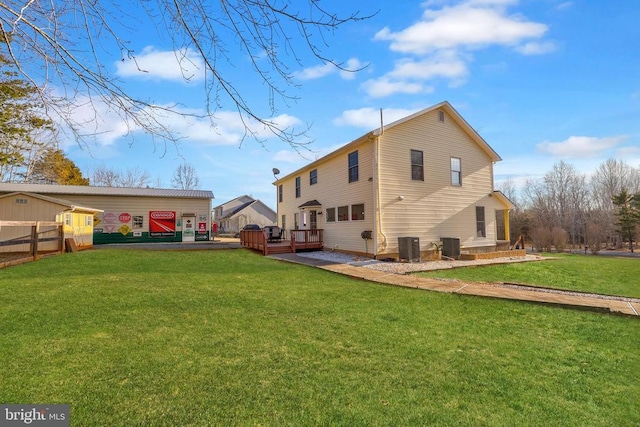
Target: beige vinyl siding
x=332 y=190
x=33 y=210
x=433 y=208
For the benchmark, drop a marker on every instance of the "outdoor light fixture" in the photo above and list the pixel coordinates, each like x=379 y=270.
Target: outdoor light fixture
x=400 y=197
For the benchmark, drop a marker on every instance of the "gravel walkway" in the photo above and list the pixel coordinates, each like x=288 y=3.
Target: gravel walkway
x=408 y=267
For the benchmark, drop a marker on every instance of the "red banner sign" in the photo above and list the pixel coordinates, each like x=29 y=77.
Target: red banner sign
x=162 y=224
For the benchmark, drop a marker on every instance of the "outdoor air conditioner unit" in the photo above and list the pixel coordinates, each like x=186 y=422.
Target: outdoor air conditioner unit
x=451 y=247
x=409 y=248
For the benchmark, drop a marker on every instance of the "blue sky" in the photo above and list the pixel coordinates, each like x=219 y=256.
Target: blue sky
x=541 y=81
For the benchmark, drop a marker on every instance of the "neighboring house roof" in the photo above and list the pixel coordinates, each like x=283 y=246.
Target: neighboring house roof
x=378 y=132
x=105 y=191
x=238 y=209
x=241 y=207
x=246 y=197
x=64 y=203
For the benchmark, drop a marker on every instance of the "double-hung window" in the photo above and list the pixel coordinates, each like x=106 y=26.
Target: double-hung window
x=280 y=193
x=357 y=212
x=313 y=177
x=297 y=187
x=343 y=213
x=456 y=171
x=417 y=165
x=481 y=229
x=331 y=214
x=353 y=166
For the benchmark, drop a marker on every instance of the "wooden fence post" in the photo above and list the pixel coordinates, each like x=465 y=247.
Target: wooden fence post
x=34 y=240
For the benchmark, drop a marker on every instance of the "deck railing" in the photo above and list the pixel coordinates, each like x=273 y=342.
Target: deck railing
x=254 y=239
x=298 y=240
x=306 y=239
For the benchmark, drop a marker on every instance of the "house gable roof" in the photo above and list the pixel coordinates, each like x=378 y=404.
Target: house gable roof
x=460 y=121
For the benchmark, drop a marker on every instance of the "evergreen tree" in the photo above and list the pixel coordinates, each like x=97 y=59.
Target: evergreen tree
x=55 y=168
x=22 y=129
x=627 y=214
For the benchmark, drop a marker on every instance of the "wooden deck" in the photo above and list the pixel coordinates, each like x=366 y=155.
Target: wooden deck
x=298 y=240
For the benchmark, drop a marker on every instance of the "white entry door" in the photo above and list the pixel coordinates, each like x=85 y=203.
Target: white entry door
x=188 y=228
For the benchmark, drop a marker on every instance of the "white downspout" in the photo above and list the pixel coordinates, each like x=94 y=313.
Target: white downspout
x=376 y=191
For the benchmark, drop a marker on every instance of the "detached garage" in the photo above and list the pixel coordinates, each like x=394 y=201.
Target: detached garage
x=135 y=215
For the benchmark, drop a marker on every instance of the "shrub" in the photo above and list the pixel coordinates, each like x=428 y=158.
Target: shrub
x=559 y=238
x=542 y=239
x=595 y=237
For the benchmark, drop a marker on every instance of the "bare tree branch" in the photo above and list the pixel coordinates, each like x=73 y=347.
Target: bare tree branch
x=61 y=46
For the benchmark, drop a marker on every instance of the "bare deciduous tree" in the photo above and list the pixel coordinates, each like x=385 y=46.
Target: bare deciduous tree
x=66 y=42
x=103 y=176
x=560 y=199
x=185 y=177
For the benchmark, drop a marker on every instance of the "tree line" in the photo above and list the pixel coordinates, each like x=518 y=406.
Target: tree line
x=565 y=207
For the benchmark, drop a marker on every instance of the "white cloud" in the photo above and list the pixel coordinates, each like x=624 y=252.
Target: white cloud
x=440 y=44
x=369 y=118
x=445 y=64
x=535 y=48
x=352 y=67
x=316 y=72
x=581 y=146
x=470 y=25
x=383 y=86
x=320 y=71
x=564 y=6
x=93 y=117
x=178 y=65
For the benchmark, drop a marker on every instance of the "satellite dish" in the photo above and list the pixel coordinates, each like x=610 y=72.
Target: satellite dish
x=276 y=171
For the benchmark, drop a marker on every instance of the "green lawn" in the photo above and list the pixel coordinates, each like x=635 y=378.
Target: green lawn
x=219 y=338
x=587 y=273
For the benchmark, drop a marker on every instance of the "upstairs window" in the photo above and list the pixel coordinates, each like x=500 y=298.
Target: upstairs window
x=353 y=166
x=280 y=193
x=417 y=165
x=313 y=177
x=297 y=187
x=456 y=171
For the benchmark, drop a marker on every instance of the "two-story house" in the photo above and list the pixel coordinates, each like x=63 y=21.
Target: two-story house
x=427 y=176
x=231 y=216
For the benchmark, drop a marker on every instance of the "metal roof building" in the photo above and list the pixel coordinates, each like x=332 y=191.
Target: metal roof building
x=134 y=215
